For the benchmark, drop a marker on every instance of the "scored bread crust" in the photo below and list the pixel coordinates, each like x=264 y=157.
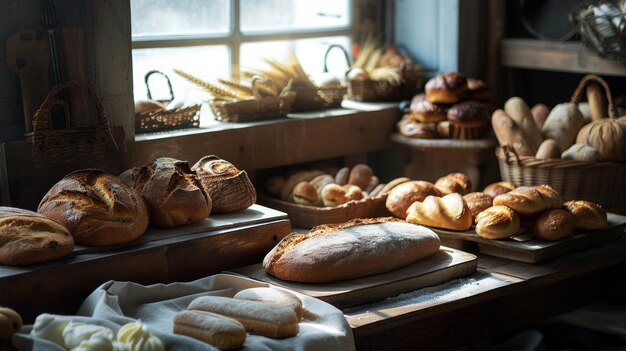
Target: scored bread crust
x=361 y=247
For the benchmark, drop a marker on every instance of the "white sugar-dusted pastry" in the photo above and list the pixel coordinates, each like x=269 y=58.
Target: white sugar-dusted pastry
x=50 y=328
x=139 y=338
x=75 y=333
x=95 y=343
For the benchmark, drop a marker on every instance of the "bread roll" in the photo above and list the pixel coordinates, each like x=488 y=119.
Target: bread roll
x=530 y=201
x=446 y=88
x=548 y=149
x=448 y=212
x=353 y=192
x=425 y=111
x=587 y=215
x=454 y=183
x=581 y=152
x=360 y=175
x=305 y=194
x=374 y=181
x=10 y=323
x=173 y=192
x=220 y=331
x=29 y=237
x=403 y=195
x=495 y=189
x=273 y=295
x=320 y=182
x=392 y=184
x=376 y=191
x=229 y=188
x=98 y=209
x=540 y=112
x=291 y=182
x=350 y=250
x=497 y=222
x=478 y=202
x=554 y=224
x=262 y=318
x=509 y=133
x=478 y=90
x=517 y=109
x=342 y=175
x=333 y=195
x=563 y=124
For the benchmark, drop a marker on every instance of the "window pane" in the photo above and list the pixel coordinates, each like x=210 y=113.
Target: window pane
x=179 y=18
x=259 y=16
x=205 y=62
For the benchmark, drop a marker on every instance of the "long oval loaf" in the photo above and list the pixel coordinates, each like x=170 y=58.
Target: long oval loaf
x=350 y=250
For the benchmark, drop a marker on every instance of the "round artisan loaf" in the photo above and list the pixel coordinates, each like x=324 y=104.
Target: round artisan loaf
x=403 y=195
x=220 y=331
x=98 y=208
x=497 y=222
x=454 y=183
x=258 y=317
x=350 y=250
x=587 y=215
x=530 y=200
x=172 y=191
x=273 y=295
x=229 y=188
x=28 y=237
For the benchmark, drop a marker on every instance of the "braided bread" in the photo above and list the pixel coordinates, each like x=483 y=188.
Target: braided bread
x=448 y=212
x=529 y=201
x=497 y=222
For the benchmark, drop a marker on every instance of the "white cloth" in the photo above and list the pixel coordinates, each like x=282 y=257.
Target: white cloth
x=114 y=304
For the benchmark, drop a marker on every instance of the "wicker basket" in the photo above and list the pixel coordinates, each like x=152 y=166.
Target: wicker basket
x=150 y=121
x=382 y=90
x=72 y=144
x=605 y=34
x=259 y=108
x=309 y=99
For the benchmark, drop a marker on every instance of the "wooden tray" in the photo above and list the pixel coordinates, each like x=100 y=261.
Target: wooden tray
x=303 y=216
x=442 y=267
x=535 y=250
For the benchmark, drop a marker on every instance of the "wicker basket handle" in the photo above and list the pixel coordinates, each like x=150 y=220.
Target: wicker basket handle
x=507 y=151
x=268 y=82
x=607 y=91
x=169 y=84
x=342 y=49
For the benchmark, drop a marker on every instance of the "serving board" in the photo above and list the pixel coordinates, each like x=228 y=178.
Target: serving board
x=303 y=216
x=535 y=250
x=442 y=267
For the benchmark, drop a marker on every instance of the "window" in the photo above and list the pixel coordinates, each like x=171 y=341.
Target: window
x=219 y=38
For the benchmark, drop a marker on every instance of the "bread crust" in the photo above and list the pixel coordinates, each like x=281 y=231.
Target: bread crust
x=350 y=250
x=403 y=195
x=448 y=212
x=478 y=202
x=499 y=188
x=272 y=295
x=554 y=224
x=497 y=222
x=587 y=215
x=530 y=201
x=454 y=183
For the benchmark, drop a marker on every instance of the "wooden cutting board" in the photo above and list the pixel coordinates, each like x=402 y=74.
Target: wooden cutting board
x=442 y=267
x=535 y=250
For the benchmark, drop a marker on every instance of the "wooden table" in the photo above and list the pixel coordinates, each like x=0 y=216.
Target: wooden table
x=502 y=296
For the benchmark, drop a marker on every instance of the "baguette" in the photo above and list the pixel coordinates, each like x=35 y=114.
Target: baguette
x=530 y=201
x=509 y=133
x=517 y=109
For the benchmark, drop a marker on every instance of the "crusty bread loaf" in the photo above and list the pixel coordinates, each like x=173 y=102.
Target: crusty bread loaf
x=229 y=188
x=258 y=317
x=305 y=194
x=98 y=209
x=220 y=331
x=28 y=237
x=587 y=215
x=392 y=184
x=517 y=109
x=529 y=201
x=448 y=212
x=403 y=195
x=509 y=133
x=273 y=295
x=478 y=202
x=172 y=191
x=349 y=250
x=497 y=222
x=454 y=183
x=549 y=148
x=495 y=189
x=554 y=224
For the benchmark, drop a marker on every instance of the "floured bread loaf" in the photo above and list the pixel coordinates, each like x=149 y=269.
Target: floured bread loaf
x=350 y=250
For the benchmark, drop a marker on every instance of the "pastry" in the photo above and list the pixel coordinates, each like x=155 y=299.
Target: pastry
x=98 y=209
x=454 y=183
x=495 y=189
x=497 y=222
x=587 y=215
x=220 y=331
x=414 y=129
x=10 y=323
x=426 y=112
x=262 y=318
x=358 y=248
x=403 y=195
x=138 y=337
x=448 y=212
x=530 y=201
x=554 y=224
x=28 y=237
x=478 y=90
x=468 y=120
x=229 y=188
x=446 y=88
x=360 y=175
x=273 y=295
x=305 y=194
x=478 y=202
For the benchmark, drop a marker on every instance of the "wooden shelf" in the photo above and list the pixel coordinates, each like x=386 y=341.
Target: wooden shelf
x=556 y=56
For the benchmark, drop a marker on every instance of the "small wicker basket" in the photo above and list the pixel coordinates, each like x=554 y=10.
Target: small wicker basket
x=383 y=90
x=72 y=144
x=151 y=121
x=605 y=34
